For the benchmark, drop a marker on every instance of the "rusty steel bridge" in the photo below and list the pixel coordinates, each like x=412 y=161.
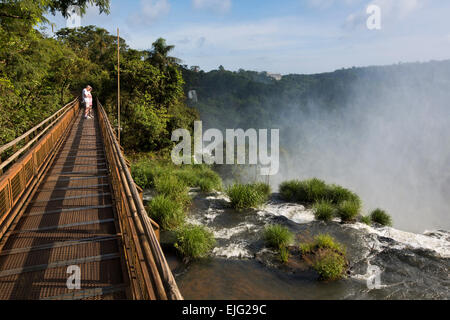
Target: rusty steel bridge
x=67 y=199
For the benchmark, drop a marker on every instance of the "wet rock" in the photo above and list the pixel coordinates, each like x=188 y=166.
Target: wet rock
x=271 y=259
x=411 y=266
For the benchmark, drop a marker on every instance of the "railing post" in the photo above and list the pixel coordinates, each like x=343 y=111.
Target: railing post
x=145 y=238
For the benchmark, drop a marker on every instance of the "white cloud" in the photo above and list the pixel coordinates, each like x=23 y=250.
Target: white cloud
x=220 y=6
x=252 y=44
x=412 y=30
x=266 y=34
x=391 y=12
x=399 y=8
x=150 y=11
x=321 y=3
x=324 y=4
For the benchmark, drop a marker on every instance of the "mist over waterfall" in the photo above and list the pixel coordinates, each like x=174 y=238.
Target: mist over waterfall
x=383 y=132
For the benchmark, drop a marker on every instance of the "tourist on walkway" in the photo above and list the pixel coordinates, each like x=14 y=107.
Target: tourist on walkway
x=87 y=100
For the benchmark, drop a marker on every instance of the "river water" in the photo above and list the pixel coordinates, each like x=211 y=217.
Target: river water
x=409 y=266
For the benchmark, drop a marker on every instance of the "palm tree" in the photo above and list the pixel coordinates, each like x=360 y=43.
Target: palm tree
x=159 y=54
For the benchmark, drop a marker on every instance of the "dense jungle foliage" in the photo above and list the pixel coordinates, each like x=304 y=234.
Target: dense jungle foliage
x=39 y=74
x=256 y=100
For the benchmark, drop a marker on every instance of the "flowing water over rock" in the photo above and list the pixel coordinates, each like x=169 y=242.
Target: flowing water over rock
x=410 y=266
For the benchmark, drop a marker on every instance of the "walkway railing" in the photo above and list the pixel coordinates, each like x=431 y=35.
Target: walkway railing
x=149 y=274
x=25 y=165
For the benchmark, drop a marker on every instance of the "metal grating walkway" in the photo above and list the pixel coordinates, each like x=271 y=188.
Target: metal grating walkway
x=69 y=221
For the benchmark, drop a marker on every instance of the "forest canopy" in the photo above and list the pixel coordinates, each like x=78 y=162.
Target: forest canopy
x=39 y=74
x=250 y=99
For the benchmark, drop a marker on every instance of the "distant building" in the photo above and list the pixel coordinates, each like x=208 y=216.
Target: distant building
x=195 y=68
x=275 y=76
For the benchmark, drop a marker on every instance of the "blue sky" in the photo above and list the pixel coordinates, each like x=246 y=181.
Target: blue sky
x=284 y=36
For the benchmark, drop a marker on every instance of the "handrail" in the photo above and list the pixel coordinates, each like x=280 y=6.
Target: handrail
x=17 y=181
x=27 y=135
x=144 y=257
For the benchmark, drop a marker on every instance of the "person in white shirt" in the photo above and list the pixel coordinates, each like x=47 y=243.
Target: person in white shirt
x=87 y=100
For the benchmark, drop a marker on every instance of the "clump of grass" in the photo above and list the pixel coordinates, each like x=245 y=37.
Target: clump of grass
x=366 y=220
x=284 y=254
x=381 y=217
x=337 y=194
x=325 y=255
x=277 y=236
x=325 y=241
x=200 y=176
x=324 y=210
x=194 y=241
x=141 y=173
x=263 y=188
x=307 y=191
x=306 y=248
x=329 y=265
x=169 y=185
x=246 y=196
x=315 y=190
x=145 y=173
x=167 y=212
x=322 y=241
x=206 y=185
x=348 y=210
x=174 y=188
x=292 y=190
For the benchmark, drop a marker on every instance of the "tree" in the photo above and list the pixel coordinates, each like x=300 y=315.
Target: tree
x=63 y=5
x=151 y=86
x=36 y=72
x=34 y=10
x=159 y=54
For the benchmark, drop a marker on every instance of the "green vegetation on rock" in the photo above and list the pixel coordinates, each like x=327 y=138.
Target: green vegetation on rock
x=322 y=241
x=324 y=210
x=315 y=190
x=325 y=255
x=329 y=265
x=278 y=236
x=348 y=210
x=246 y=196
x=167 y=212
x=146 y=172
x=284 y=254
x=194 y=241
x=381 y=217
x=366 y=220
x=169 y=207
